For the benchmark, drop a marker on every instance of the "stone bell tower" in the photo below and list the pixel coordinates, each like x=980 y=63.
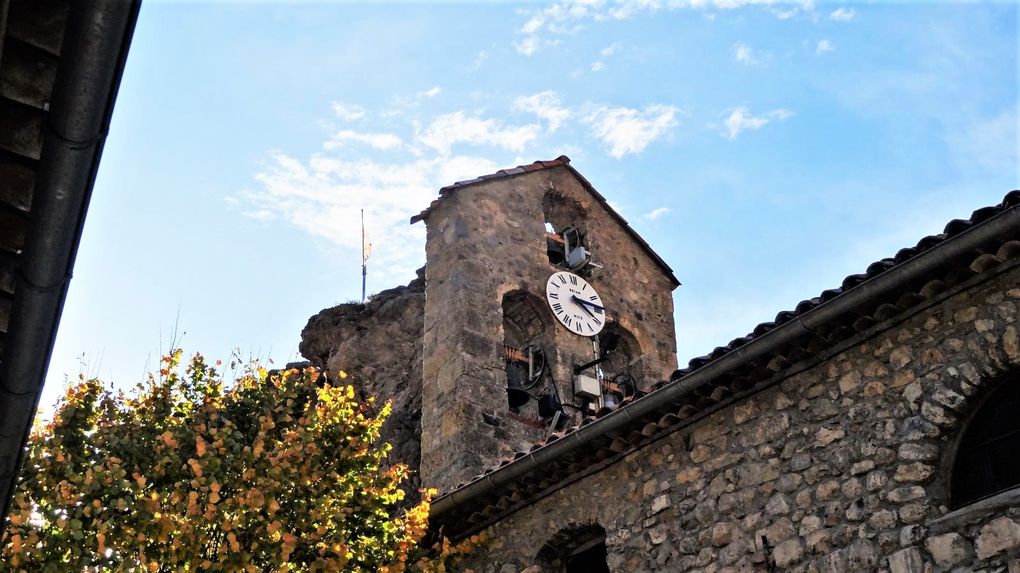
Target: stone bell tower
x=492 y=244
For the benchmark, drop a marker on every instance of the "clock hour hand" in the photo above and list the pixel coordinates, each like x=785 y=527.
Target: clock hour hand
x=585 y=304
x=584 y=308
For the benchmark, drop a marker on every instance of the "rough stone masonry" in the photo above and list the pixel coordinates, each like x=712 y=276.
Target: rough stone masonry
x=842 y=467
x=830 y=458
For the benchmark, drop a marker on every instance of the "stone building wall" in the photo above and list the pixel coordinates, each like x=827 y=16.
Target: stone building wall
x=488 y=240
x=843 y=466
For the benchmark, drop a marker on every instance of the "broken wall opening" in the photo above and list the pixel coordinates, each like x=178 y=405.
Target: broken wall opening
x=566 y=229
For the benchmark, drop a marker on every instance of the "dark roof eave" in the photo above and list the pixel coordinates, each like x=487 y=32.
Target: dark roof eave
x=94 y=54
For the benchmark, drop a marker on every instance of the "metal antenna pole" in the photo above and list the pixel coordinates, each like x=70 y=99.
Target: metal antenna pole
x=364 y=258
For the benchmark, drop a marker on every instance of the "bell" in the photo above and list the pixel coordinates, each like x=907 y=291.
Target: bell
x=608 y=343
x=548 y=405
x=516 y=395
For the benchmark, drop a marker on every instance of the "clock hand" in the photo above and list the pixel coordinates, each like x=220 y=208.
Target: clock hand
x=582 y=303
x=585 y=302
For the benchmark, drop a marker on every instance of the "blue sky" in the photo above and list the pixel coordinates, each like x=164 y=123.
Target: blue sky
x=765 y=151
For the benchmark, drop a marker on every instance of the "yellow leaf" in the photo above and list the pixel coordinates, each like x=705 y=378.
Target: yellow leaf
x=199 y=446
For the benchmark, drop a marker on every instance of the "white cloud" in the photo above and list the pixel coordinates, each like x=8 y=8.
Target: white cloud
x=376 y=140
x=260 y=214
x=323 y=196
x=450 y=129
x=429 y=93
x=598 y=66
x=546 y=105
x=628 y=8
x=824 y=46
x=395 y=174
x=655 y=214
x=740 y=119
x=392 y=175
x=348 y=112
x=610 y=49
x=743 y=54
x=533 y=25
x=565 y=17
x=627 y=130
x=842 y=14
x=479 y=60
x=527 y=46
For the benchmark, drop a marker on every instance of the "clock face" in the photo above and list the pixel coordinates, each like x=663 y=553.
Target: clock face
x=575 y=303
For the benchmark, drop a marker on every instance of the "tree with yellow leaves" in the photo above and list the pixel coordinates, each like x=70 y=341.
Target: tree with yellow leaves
x=273 y=472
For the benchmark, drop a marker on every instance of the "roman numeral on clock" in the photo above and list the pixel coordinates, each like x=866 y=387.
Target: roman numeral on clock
x=557 y=307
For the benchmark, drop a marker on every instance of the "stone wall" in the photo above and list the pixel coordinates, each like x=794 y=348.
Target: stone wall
x=843 y=466
x=487 y=240
x=379 y=346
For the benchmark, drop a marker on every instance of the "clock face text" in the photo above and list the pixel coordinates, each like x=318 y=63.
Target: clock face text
x=575 y=303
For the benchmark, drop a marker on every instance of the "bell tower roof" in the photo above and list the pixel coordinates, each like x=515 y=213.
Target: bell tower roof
x=564 y=162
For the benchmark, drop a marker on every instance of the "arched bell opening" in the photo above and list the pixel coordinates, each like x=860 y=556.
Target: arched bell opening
x=525 y=326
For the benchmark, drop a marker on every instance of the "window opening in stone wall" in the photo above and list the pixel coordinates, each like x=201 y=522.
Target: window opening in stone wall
x=577 y=549
x=987 y=460
x=590 y=559
x=565 y=239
